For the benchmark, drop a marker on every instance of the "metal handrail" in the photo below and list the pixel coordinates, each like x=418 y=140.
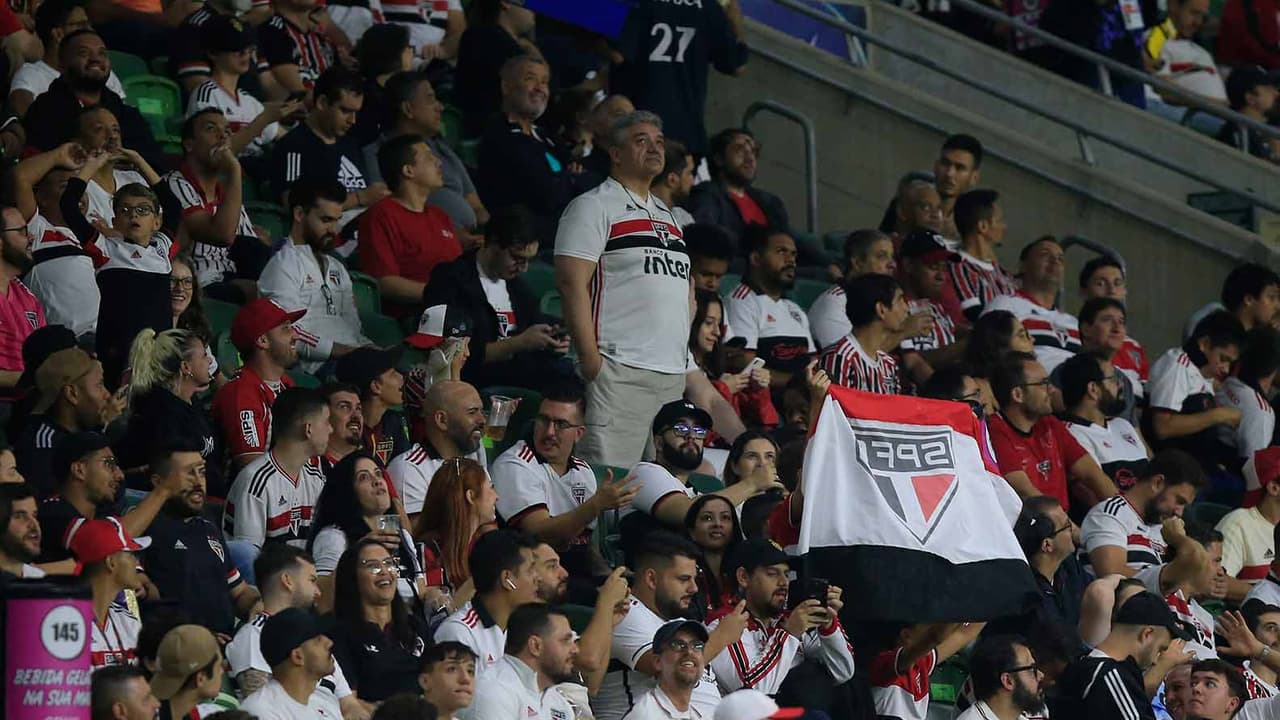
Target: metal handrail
x=1007 y=158
x=810 y=152
x=915 y=57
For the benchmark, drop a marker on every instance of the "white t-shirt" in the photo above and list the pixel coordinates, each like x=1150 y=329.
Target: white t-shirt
x=495 y=291
x=266 y=504
x=36 y=77
x=100 y=200
x=1115 y=522
x=271 y=702
x=1056 y=333
x=1174 y=378
x=1267 y=590
x=1190 y=66
x=510 y=692
x=240 y=109
x=827 y=317
x=411 y=473
x=640 y=289
x=656 y=482
x=116 y=641
x=776 y=330
x=331 y=542
x=621 y=689
x=472 y=626
x=1257 y=419
x=655 y=705
x=244 y=652
x=63 y=277
x=1247 y=543
x=524 y=482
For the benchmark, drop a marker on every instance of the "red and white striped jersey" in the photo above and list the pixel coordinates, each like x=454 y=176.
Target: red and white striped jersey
x=905 y=696
x=849 y=365
x=766 y=652
x=280 y=42
x=115 y=642
x=1258 y=688
x=1132 y=361
x=1175 y=380
x=266 y=503
x=978 y=282
x=1196 y=622
x=212 y=262
x=1055 y=333
x=944 y=329
x=640 y=289
x=472 y=626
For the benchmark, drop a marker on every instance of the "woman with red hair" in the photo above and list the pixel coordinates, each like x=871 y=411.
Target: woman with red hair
x=459 y=505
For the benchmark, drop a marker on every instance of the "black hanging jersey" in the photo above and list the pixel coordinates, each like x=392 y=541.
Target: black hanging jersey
x=666 y=46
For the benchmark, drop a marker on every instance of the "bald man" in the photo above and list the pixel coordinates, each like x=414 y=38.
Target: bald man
x=453 y=426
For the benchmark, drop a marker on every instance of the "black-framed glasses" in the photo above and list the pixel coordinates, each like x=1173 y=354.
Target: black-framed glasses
x=16 y=228
x=1062 y=529
x=1043 y=383
x=1023 y=668
x=681 y=646
x=557 y=423
x=683 y=430
x=136 y=211
x=182 y=282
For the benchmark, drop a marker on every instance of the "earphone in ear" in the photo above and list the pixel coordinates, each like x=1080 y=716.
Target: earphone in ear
x=510 y=585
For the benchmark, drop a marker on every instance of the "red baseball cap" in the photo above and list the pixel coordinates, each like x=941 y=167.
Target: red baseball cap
x=255 y=319
x=93 y=541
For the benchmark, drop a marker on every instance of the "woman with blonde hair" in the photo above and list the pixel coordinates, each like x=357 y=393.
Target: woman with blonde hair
x=166 y=370
x=460 y=501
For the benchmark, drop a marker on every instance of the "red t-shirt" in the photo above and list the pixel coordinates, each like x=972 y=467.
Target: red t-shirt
x=395 y=240
x=242 y=411
x=9 y=22
x=748 y=209
x=1044 y=455
x=1238 y=45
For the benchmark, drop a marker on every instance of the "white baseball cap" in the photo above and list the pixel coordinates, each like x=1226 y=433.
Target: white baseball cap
x=753 y=705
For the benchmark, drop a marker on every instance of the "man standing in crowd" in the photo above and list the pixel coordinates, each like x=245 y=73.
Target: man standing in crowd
x=263 y=333
x=1130 y=533
x=623 y=274
x=454 y=426
x=865 y=251
x=448 y=677
x=679 y=651
x=1035 y=451
x=773 y=326
x=20 y=543
x=1035 y=304
x=807 y=630
x=1091 y=393
x=1006 y=680
x=273 y=497
x=956 y=172
x=539 y=653
x=303 y=276
x=1182 y=411
x=978 y=278
x=106 y=552
x=71 y=397
x=299 y=654
x=504 y=577
x=675 y=182
x=403 y=238
x=877 y=312
x=121 y=692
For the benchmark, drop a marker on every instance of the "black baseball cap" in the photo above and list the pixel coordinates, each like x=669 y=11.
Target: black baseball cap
x=286 y=630
x=39 y=345
x=1243 y=80
x=676 y=409
x=222 y=33
x=73 y=448
x=364 y=365
x=755 y=553
x=668 y=631
x=1147 y=608
x=927 y=246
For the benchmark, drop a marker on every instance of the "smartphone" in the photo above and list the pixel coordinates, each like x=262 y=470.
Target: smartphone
x=389 y=523
x=752 y=366
x=815 y=588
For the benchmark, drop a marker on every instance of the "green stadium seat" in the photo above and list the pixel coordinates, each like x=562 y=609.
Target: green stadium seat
x=382 y=330
x=729 y=283
x=579 y=616
x=947 y=680
x=705 y=484
x=551 y=305
x=451 y=120
x=126 y=66
x=607 y=537
x=219 y=314
x=368 y=299
x=540 y=278
x=304 y=379
x=1206 y=513
x=160 y=66
x=270 y=216
x=806 y=291
x=228 y=356
x=158 y=99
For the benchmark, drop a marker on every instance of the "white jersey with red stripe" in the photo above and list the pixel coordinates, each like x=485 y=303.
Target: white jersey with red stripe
x=777 y=331
x=978 y=282
x=62 y=277
x=1115 y=522
x=212 y=263
x=266 y=503
x=240 y=109
x=1175 y=379
x=1257 y=418
x=1258 y=688
x=115 y=642
x=766 y=652
x=903 y=696
x=411 y=472
x=848 y=364
x=1196 y=622
x=1055 y=333
x=827 y=317
x=640 y=288
x=525 y=482
x=472 y=626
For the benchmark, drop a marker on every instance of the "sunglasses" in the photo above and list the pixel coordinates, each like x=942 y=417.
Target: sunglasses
x=684 y=431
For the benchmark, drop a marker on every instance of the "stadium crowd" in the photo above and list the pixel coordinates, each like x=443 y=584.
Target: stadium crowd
x=440 y=364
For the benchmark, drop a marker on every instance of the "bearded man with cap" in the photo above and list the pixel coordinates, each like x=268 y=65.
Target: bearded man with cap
x=263 y=332
x=188 y=672
x=293 y=643
x=106 y=550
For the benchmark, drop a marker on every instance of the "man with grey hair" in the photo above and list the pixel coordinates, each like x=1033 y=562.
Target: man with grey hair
x=519 y=163
x=917 y=207
x=623 y=275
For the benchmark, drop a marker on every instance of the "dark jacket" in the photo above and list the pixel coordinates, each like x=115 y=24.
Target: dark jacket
x=54 y=118
x=457 y=284
x=710 y=203
x=1100 y=688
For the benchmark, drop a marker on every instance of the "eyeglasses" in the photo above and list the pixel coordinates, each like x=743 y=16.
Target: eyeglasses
x=1062 y=529
x=681 y=646
x=377 y=567
x=182 y=282
x=1042 y=383
x=683 y=430
x=110 y=461
x=17 y=228
x=1024 y=668
x=519 y=260
x=557 y=423
x=136 y=211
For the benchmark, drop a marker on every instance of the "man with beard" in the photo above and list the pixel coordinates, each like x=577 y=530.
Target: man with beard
x=665 y=581
x=345 y=422
x=54 y=116
x=1129 y=534
x=263 y=333
x=204 y=210
x=300 y=656
x=372 y=371
x=1107 y=684
x=188 y=559
x=20 y=543
x=1102 y=332
x=779 y=636
x=772 y=325
x=1091 y=393
x=679 y=431
x=303 y=275
x=675 y=182
x=540 y=652
x=454 y=426
x=1035 y=302
x=519 y=164
x=680 y=650
x=955 y=172
x=287 y=577
x=20 y=311
x=877 y=311
x=1006 y=680
x=1034 y=450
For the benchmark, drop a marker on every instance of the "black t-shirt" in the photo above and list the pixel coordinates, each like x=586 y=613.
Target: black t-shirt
x=376 y=664
x=666 y=48
x=56 y=516
x=188 y=562
x=158 y=418
x=388 y=438
x=482 y=51
x=301 y=153
x=34 y=454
